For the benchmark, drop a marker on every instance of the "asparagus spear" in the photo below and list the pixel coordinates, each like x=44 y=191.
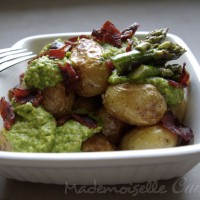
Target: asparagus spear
x=172 y=72
x=164 y=52
x=157 y=35
x=152 y=40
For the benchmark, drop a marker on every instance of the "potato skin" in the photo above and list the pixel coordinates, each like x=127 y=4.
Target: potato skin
x=93 y=74
x=113 y=128
x=148 y=137
x=135 y=104
x=4 y=144
x=97 y=142
x=87 y=104
x=180 y=110
x=56 y=101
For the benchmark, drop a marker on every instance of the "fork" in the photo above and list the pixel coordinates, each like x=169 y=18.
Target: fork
x=12 y=56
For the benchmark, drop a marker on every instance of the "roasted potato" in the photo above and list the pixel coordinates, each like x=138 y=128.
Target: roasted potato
x=4 y=144
x=180 y=110
x=56 y=101
x=148 y=137
x=93 y=74
x=87 y=104
x=112 y=127
x=97 y=142
x=135 y=104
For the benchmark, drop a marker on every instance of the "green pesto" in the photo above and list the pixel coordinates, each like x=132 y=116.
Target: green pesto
x=43 y=72
x=116 y=78
x=33 y=131
x=110 y=50
x=70 y=136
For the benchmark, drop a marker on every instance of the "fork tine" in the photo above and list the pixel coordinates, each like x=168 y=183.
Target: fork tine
x=9 y=49
x=10 y=57
x=15 y=61
x=11 y=52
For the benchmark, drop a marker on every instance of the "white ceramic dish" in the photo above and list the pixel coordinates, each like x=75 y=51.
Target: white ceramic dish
x=103 y=167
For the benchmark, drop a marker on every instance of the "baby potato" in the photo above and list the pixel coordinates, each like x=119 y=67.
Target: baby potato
x=93 y=74
x=135 y=104
x=56 y=101
x=4 y=144
x=112 y=127
x=87 y=104
x=149 y=137
x=180 y=110
x=97 y=142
